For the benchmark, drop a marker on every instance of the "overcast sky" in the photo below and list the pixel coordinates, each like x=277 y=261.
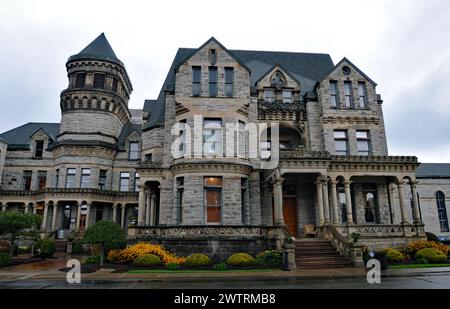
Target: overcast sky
x=402 y=45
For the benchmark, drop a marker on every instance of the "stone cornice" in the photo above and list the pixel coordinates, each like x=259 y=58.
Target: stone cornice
x=211 y=167
x=351 y=119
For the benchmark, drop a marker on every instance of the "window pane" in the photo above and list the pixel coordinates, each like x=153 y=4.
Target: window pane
x=287 y=96
x=196 y=87
x=229 y=90
x=213 y=181
x=229 y=75
x=333 y=88
x=341 y=146
x=80 y=80
x=340 y=134
x=212 y=81
x=333 y=100
x=212 y=197
x=134 y=151
x=196 y=74
x=99 y=81
x=114 y=84
x=269 y=95
x=361 y=134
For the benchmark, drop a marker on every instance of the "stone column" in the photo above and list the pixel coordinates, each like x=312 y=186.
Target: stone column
x=334 y=202
x=55 y=209
x=401 y=197
x=141 y=209
x=34 y=208
x=320 y=202
x=4 y=207
x=153 y=210
x=348 y=202
x=78 y=216
x=417 y=218
x=278 y=201
x=391 y=188
x=114 y=211
x=326 y=203
x=44 y=219
x=122 y=217
x=88 y=214
x=148 y=207
x=26 y=207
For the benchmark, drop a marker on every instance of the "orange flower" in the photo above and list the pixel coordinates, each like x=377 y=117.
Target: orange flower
x=130 y=253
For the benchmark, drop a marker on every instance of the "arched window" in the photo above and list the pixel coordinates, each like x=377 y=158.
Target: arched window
x=442 y=211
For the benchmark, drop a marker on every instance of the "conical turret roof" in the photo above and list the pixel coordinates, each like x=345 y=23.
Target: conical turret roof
x=99 y=49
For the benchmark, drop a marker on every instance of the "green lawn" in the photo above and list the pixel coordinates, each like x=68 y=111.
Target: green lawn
x=402 y=266
x=187 y=271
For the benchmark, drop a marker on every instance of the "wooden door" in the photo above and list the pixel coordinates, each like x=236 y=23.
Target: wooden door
x=82 y=222
x=290 y=215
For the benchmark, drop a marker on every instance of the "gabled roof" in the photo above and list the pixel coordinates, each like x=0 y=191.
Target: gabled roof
x=128 y=129
x=308 y=68
x=21 y=135
x=98 y=49
x=213 y=39
x=277 y=65
x=354 y=66
x=433 y=170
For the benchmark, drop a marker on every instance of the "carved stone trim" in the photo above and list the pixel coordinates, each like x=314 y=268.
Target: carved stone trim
x=351 y=119
x=211 y=168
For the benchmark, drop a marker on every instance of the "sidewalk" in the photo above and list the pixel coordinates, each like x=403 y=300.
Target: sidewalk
x=49 y=270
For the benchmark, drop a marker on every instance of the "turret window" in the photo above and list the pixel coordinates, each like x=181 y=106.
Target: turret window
x=115 y=84
x=99 y=81
x=80 y=80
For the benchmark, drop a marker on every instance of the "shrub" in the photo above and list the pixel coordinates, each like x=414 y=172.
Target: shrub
x=5 y=259
x=197 y=260
x=92 y=259
x=433 y=256
x=4 y=246
x=220 y=267
x=172 y=266
x=269 y=257
x=45 y=248
x=415 y=246
x=241 y=259
x=421 y=261
x=432 y=237
x=130 y=253
x=77 y=248
x=147 y=260
x=106 y=235
x=394 y=256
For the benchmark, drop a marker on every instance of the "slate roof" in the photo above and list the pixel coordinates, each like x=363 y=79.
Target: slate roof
x=308 y=68
x=21 y=135
x=126 y=131
x=98 y=49
x=433 y=170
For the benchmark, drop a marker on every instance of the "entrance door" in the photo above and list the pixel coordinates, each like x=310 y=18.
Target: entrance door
x=290 y=215
x=82 y=222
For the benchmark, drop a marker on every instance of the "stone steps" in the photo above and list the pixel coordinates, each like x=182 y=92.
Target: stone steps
x=318 y=253
x=60 y=245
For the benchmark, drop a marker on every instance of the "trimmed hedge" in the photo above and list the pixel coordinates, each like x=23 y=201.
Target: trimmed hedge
x=394 y=256
x=241 y=259
x=433 y=256
x=147 y=260
x=93 y=259
x=269 y=257
x=197 y=260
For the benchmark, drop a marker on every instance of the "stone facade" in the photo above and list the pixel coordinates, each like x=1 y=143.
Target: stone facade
x=105 y=162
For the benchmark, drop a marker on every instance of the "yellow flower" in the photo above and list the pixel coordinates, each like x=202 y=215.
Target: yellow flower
x=130 y=253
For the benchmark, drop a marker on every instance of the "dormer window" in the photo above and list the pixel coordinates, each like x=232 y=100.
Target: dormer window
x=39 y=149
x=133 y=151
x=213 y=81
x=348 y=95
x=278 y=80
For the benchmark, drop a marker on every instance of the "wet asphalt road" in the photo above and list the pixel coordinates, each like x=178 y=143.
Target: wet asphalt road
x=434 y=281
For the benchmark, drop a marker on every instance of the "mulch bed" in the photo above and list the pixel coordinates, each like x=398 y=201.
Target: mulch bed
x=123 y=268
x=24 y=260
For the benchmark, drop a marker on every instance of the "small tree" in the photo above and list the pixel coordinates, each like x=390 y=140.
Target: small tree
x=107 y=234
x=14 y=224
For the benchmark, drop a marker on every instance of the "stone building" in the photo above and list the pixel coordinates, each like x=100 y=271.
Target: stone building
x=167 y=173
